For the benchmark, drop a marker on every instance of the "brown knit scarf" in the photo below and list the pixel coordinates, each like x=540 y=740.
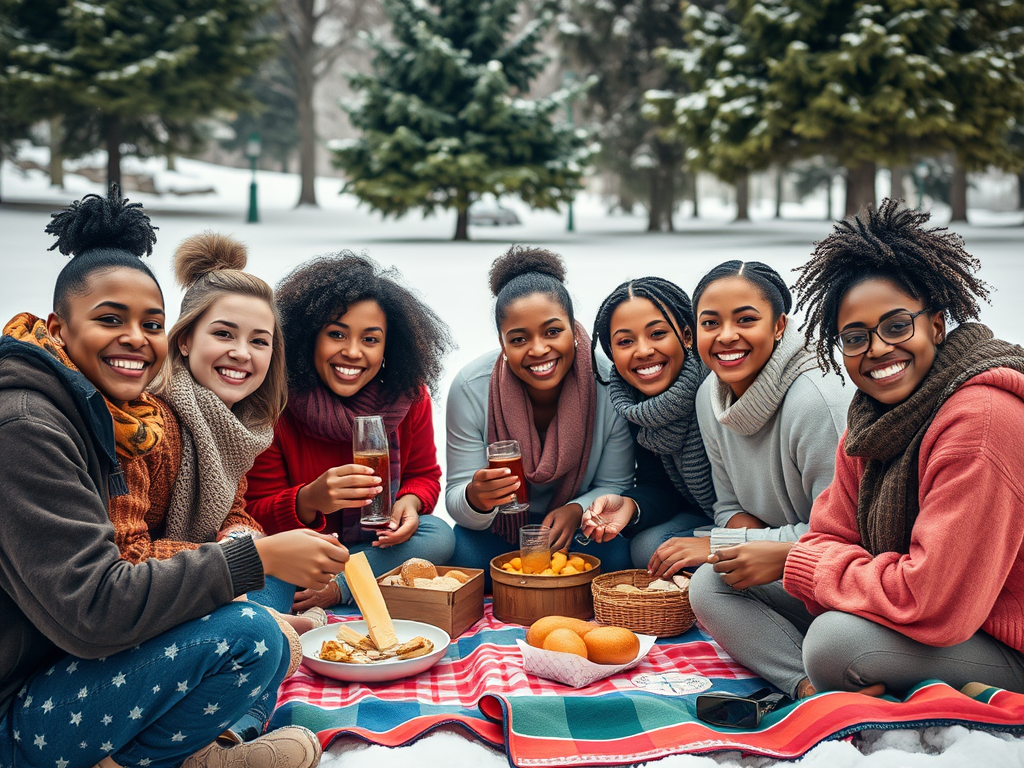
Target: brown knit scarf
x=138 y=426
x=889 y=437
x=216 y=451
x=565 y=452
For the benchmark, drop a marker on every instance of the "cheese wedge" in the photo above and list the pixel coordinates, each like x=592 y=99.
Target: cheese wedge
x=370 y=601
x=348 y=635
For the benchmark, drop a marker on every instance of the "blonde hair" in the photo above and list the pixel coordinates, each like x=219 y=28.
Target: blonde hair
x=209 y=265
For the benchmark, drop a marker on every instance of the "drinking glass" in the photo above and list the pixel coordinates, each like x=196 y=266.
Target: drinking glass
x=535 y=548
x=506 y=453
x=370 y=448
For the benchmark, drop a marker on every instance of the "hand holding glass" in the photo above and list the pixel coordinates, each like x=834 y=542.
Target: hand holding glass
x=370 y=448
x=506 y=454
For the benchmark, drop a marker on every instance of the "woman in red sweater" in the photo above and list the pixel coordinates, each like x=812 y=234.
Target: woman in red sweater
x=357 y=343
x=912 y=568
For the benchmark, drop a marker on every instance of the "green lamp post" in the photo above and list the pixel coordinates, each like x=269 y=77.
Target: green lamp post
x=253 y=147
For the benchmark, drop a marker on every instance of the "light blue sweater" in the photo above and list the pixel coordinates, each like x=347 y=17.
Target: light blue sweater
x=610 y=469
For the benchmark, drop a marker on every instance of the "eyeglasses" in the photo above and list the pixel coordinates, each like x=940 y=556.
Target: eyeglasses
x=733 y=711
x=892 y=330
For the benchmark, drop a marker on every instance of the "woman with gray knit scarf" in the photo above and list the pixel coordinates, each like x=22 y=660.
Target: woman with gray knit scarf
x=771 y=423
x=646 y=327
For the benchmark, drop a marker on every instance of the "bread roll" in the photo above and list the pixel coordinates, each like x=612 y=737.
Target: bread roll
x=611 y=645
x=541 y=628
x=459 y=576
x=417 y=568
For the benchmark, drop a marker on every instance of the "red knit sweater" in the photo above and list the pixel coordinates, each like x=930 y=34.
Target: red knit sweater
x=296 y=458
x=965 y=568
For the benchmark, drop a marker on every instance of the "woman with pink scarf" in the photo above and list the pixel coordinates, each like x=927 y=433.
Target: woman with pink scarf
x=538 y=389
x=357 y=343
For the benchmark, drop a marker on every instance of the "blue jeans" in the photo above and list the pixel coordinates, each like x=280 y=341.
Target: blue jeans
x=275 y=594
x=476 y=549
x=642 y=546
x=151 y=706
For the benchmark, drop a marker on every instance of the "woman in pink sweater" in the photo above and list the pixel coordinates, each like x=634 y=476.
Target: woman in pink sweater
x=912 y=568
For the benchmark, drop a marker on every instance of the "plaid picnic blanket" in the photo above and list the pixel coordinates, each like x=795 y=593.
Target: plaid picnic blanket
x=481 y=687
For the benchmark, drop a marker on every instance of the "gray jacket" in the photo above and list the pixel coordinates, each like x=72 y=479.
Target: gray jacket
x=64 y=588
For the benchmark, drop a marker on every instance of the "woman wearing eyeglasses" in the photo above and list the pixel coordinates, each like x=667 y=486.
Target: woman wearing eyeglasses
x=912 y=567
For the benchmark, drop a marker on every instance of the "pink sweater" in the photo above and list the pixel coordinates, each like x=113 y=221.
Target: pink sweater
x=965 y=568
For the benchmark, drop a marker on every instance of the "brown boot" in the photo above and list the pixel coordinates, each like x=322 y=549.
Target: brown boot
x=290 y=747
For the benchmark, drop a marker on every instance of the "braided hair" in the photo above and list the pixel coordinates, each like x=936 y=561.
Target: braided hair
x=524 y=270
x=767 y=281
x=322 y=289
x=100 y=233
x=668 y=297
x=892 y=244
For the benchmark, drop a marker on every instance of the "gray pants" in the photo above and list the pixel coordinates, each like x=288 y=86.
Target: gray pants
x=771 y=633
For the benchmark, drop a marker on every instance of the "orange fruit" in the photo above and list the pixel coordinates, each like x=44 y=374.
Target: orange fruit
x=565 y=641
x=541 y=628
x=611 y=645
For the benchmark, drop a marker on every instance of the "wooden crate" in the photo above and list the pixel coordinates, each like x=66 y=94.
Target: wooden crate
x=524 y=598
x=454 y=612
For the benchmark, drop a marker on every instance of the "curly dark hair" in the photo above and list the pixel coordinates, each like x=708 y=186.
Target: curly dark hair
x=769 y=282
x=323 y=288
x=100 y=233
x=890 y=243
x=524 y=270
x=668 y=297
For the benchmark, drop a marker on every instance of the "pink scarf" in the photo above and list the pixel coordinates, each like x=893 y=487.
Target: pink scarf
x=565 y=451
x=329 y=417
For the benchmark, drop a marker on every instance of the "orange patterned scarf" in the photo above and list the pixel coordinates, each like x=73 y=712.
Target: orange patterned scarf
x=138 y=426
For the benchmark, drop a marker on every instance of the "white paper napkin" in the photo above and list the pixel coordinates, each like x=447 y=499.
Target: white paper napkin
x=573 y=670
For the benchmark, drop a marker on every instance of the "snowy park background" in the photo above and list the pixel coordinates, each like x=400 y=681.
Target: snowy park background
x=603 y=251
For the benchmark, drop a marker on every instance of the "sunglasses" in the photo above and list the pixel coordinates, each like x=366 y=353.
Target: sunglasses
x=735 y=711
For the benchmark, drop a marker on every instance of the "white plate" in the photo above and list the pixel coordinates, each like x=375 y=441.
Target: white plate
x=381 y=671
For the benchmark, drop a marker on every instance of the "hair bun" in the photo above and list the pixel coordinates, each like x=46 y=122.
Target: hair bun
x=523 y=259
x=102 y=222
x=207 y=252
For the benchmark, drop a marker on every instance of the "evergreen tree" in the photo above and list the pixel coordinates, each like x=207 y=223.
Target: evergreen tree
x=864 y=81
x=616 y=42
x=138 y=64
x=274 y=115
x=444 y=117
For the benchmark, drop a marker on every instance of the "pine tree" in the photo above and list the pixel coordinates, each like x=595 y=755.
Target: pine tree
x=616 y=42
x=274 y=115
x=134 y=63
x=444 y=117
x=864 y=81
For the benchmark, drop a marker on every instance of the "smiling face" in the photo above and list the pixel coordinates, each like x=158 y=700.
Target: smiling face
x=230 y=346
x=349 y=351
x=735 y=331
x=645 y=348
x=537 y=338
x=890 y=373
x=114 y=332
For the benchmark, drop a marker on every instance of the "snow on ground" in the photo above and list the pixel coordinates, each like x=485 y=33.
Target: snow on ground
x=452 y=277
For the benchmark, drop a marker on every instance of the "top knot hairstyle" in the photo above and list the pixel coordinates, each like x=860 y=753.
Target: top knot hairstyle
x=668 y=297
x=100 y=233
x=767 y=281
x=891 y=243
x=209 y=266
x=524 y=270
x=322 y=289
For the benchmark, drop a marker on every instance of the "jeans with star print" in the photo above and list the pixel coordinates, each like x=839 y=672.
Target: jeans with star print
x=151 y=706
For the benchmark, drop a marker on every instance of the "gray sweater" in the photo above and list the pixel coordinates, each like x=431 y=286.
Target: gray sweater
x=64 y=588
x=776 y=473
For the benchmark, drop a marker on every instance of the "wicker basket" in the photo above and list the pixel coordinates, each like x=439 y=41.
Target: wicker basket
x=664 y=614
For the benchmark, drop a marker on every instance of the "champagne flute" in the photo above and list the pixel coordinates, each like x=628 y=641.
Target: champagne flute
x=370 y=449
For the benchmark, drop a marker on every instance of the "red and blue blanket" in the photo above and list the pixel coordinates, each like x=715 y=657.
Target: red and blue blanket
x=480 y=686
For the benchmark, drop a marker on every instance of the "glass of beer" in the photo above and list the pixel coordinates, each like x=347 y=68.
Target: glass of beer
x=370 y=448
x=506 y=453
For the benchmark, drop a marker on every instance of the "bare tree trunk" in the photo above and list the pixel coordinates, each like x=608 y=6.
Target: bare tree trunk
x=112 y=130
x=172 y=162
x=1020 y=191
x=57 y=152
x=663 y=189
x=305 y=85
x=743 y=198
x=462 y=225
x=958 y=192
x=780 y=172
x=828 y=197
x=696 y=195
x=897 y=176
x=860 y=186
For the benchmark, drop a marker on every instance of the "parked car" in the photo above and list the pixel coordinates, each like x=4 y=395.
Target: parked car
x=487 y=213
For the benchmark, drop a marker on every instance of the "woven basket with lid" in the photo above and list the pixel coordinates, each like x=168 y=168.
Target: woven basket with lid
x=664 y=614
